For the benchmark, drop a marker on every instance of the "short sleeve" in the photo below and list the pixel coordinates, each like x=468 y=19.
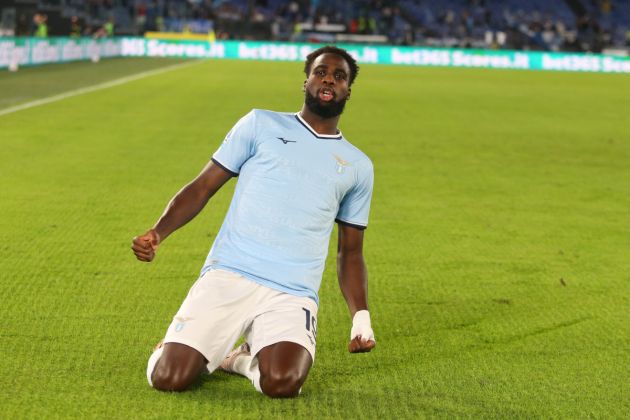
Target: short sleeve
x=355 y=206
x=238 y=145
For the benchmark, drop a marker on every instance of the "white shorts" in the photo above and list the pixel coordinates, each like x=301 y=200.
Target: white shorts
x=222 y=306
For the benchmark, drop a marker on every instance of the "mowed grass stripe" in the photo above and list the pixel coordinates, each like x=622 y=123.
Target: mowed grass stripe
x=35 y=83
x=93 y=88
x=497 y=245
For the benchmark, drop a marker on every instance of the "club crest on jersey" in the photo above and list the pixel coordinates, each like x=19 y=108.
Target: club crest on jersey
x=181 y=323
x=341 y=164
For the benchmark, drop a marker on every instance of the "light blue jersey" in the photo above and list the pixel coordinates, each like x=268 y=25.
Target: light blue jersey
x=293 y=184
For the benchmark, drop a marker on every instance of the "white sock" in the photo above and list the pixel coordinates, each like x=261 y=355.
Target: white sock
x=152 y=362
x=248 y=367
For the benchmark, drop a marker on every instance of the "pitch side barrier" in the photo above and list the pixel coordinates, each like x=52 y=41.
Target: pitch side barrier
x=15 y=52
x=20 y=51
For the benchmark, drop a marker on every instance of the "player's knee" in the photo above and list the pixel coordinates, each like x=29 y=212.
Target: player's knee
x=166 y=378
x=281 y=384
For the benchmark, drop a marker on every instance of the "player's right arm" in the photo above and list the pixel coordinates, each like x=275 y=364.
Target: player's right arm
x=182 y=208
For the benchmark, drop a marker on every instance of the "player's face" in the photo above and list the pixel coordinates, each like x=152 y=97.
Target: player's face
x=326 y=90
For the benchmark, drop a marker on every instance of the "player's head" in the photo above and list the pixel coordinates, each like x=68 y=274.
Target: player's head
x=330 y=71
x=329 y=49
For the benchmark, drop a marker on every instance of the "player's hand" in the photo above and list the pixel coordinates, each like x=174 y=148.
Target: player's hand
x=144 y=246
x=359 y=345
x=362 y=336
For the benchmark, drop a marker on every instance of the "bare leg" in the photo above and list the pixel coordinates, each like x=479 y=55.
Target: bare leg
x=178 y=367
x=283 y=368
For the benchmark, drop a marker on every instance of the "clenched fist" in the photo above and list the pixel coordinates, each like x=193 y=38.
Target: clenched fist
x=362 y=336
x=144 y=246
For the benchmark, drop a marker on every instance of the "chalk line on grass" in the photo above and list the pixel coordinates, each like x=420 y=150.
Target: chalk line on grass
x=93 y=88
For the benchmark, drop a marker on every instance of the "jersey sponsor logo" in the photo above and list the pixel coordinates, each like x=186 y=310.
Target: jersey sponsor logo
x=341 y=164
x=285 y=141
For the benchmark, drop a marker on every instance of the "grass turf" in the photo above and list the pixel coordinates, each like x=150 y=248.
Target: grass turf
x=31 y=83
x=497 y=248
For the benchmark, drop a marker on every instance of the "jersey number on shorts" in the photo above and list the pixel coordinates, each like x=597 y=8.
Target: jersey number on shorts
x=310 y=321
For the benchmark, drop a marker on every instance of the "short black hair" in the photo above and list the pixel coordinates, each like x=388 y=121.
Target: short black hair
x=331 y=49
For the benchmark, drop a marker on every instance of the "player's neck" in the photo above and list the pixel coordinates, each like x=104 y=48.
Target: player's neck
x=319 y=124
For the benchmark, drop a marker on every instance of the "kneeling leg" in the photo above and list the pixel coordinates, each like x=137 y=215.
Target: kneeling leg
x=177 y=367
x=283 y=369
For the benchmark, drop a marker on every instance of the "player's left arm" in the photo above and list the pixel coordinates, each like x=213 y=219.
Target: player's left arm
x=353 y=281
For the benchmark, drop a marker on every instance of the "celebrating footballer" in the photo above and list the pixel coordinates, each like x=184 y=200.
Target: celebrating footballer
x=297 y=176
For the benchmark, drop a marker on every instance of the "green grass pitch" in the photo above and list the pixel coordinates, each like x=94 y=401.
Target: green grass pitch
x=498 y=247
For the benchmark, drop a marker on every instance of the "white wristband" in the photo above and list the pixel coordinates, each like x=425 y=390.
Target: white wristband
x=362 y=326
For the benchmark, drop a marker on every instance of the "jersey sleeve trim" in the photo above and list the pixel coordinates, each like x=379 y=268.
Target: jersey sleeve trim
x=222 y=166
x=353 y=225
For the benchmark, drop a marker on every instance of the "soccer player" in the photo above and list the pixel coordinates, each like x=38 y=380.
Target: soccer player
x=297 y=176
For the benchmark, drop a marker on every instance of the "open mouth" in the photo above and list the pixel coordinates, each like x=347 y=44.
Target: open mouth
x=326 y=94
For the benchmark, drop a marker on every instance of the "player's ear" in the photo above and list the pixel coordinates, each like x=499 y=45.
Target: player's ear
x=349 y=92
x=304 y=85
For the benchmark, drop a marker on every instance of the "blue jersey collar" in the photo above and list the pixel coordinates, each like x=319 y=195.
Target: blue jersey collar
x=315 y=133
